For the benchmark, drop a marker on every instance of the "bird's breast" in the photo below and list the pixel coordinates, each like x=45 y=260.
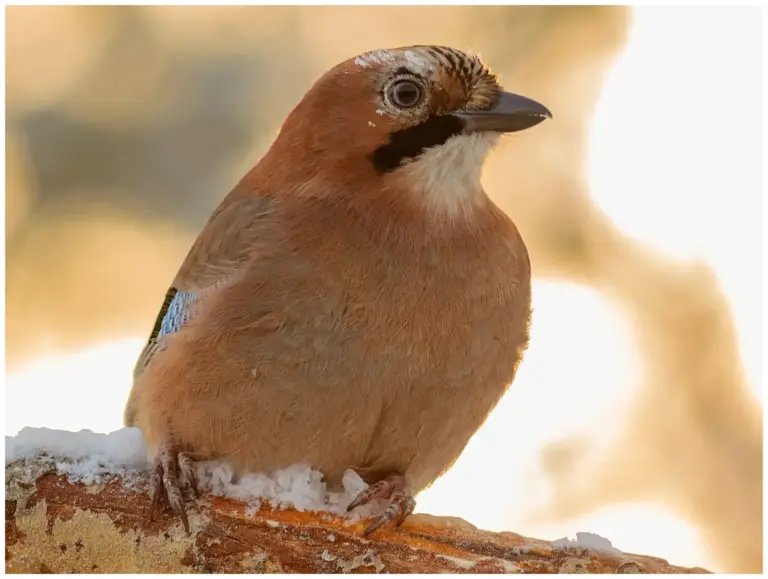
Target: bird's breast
x=416 y=305
x=447 y=316
x=441 y=342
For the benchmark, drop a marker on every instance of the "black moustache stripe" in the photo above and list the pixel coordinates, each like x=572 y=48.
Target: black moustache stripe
x=409 y=143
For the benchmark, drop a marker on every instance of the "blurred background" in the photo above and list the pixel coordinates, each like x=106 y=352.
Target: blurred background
x=637 y=413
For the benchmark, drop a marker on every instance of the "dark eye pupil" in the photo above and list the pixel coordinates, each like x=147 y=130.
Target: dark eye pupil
x=405 y=94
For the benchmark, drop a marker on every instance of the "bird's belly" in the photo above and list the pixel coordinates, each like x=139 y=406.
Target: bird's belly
x=429 y=378
x=435 y=411
x=346 y=390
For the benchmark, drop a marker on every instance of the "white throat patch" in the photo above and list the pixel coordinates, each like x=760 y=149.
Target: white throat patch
x=447 y=177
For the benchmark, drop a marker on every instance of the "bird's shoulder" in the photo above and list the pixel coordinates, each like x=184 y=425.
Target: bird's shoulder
x=240 y=227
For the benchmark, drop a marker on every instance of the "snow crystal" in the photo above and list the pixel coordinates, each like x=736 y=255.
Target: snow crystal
x=352 y=482
x=84 y=456
x=123 y=447
x=297 y=486
x=90 y=457
x=587 y=541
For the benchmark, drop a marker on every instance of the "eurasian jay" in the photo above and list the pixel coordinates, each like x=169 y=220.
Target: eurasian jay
x=357 y=301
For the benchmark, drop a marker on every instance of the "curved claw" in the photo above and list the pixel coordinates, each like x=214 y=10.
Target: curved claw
x=380 y=520
x=410 y=505
x=187 y=467
x=401 y=506
x=155 y=490
x=175 y=498
x=401 y=503
x=165 y=481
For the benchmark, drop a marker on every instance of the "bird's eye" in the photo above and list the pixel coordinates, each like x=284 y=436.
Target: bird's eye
x=405 y=94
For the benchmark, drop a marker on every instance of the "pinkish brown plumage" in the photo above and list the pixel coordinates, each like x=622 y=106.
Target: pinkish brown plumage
x=357 y=301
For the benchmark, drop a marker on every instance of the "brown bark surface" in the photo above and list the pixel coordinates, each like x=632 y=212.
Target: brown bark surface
x=57 y=526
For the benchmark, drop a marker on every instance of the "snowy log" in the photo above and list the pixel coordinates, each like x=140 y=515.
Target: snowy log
x=56 y=525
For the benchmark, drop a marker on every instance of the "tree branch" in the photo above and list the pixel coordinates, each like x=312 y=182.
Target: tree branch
x=54 y=525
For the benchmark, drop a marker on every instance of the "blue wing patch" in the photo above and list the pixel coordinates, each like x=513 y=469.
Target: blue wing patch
x=174 y=313
x=178 y=313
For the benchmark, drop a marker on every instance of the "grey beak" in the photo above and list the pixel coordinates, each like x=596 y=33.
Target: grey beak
x=511 y=113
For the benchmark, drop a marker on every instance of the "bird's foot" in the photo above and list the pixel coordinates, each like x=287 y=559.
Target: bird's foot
x=165 y=481
x=401 y=501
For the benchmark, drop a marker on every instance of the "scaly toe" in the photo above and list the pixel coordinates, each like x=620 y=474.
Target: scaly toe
x=165 y=480
x=407 y=510
x=187 y=467
x=383 y=488
x=175 y=498
x=156 y=489
x=401 y=505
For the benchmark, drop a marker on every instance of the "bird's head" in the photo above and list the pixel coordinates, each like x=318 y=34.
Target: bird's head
x=422 y=115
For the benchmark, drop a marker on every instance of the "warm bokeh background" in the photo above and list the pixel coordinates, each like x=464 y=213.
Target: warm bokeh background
x=637 y=412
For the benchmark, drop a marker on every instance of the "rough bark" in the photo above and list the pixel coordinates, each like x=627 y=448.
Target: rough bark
x=54 y=525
